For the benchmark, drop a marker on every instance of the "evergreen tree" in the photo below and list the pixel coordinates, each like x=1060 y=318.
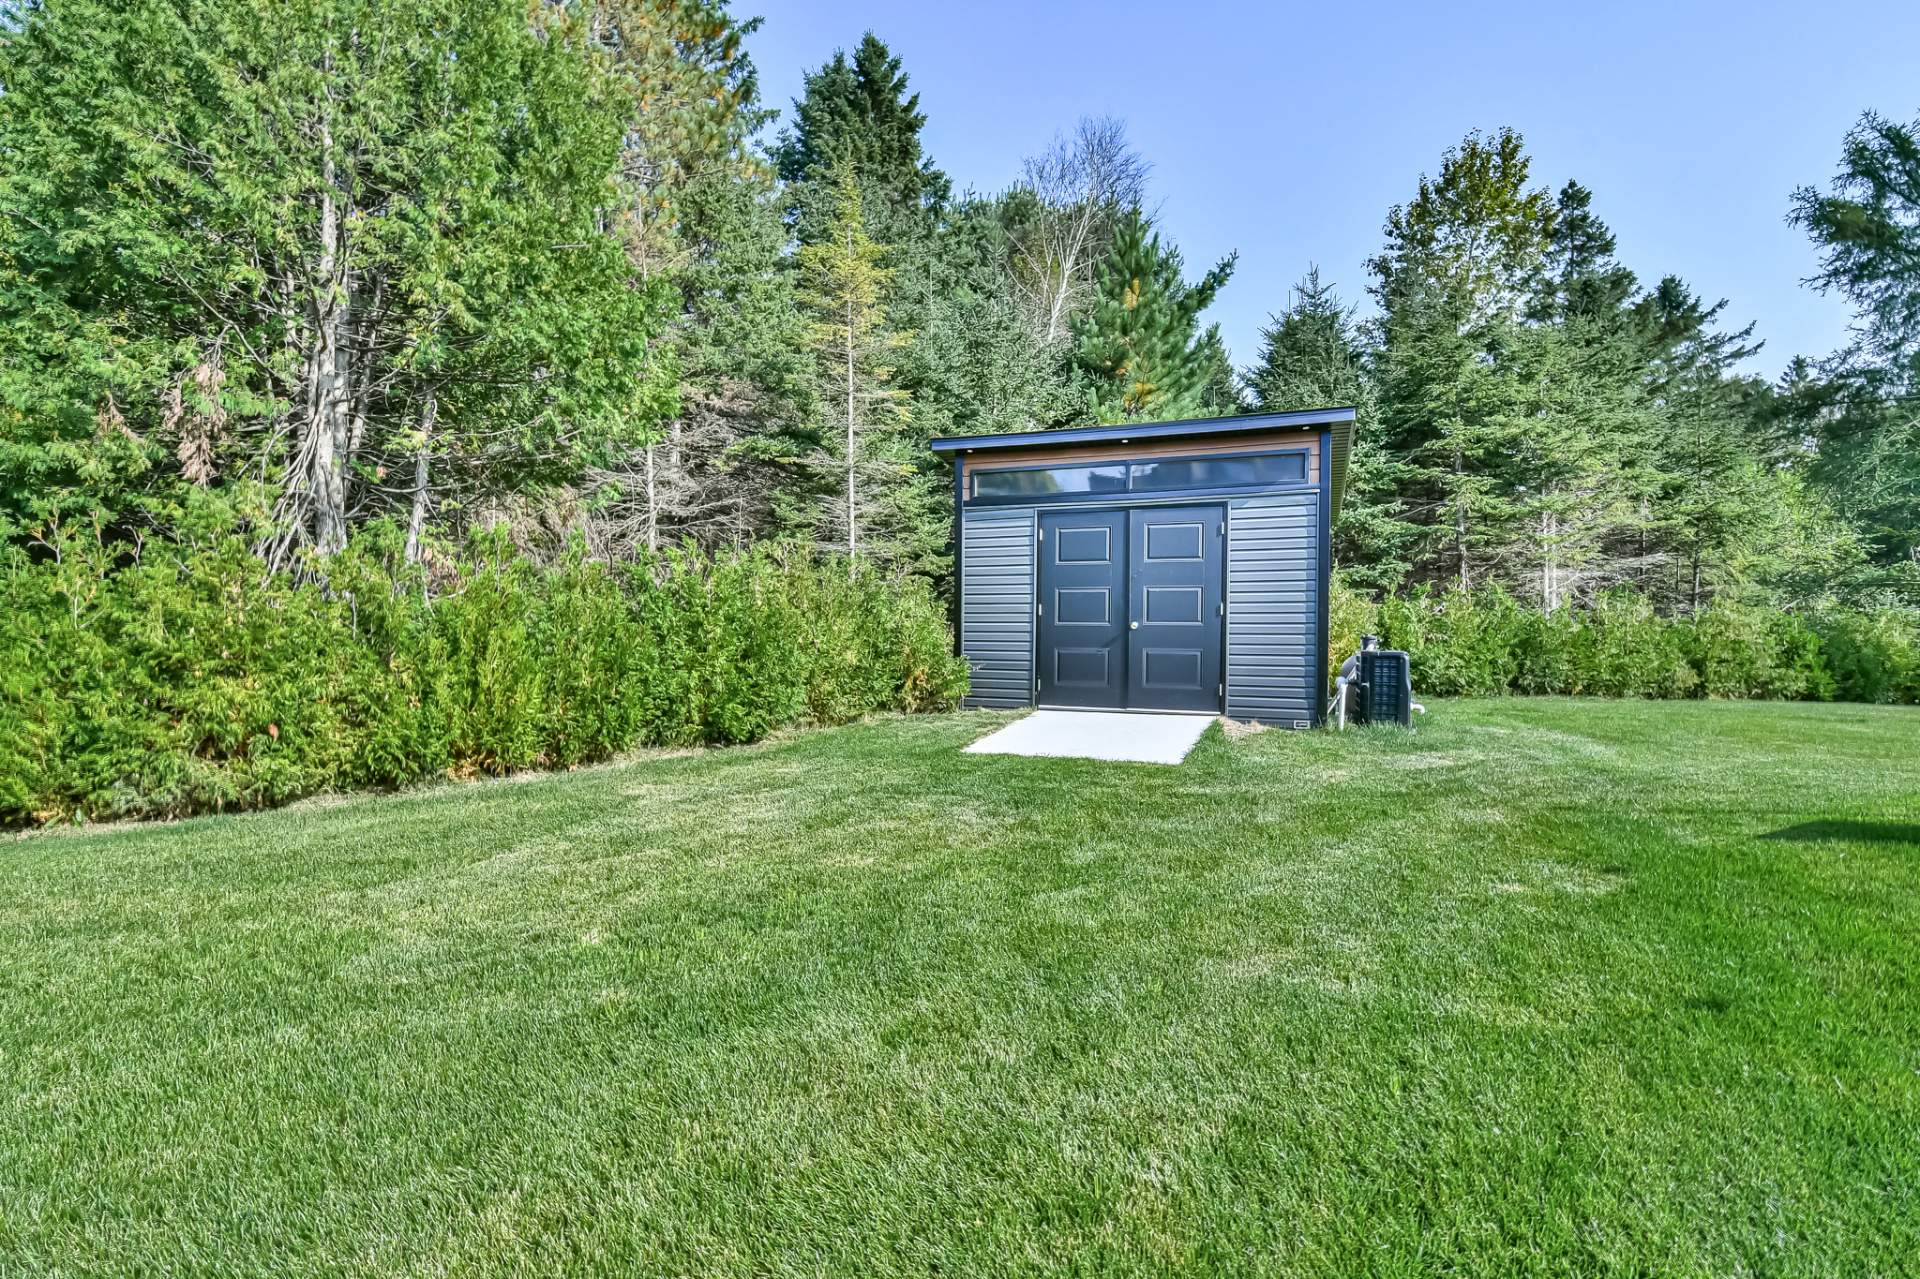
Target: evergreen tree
x=731 y=464
x=1857 y=446
x=707 y=218
x=1583 y=279
x=844 y=287
x=1477 y=232
x=1311 y=356
x=1867 y=226
x=1462 y=261
x=1708 y=451
x=693 y=96
x=859 y=113
x=318 y=249
x=1554 y=429
x=1864 y=421
x=1580 y=426
x=974 y=364
x=1139 y=344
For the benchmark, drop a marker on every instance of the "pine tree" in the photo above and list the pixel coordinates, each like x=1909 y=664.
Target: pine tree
x=860 y=114
x=705 y=216
x=844 y=286
x=1139 y=344
x=694 y=101
x=1865 y=420
x=1462 y=261
x=1311 y=356
x=1583 y=280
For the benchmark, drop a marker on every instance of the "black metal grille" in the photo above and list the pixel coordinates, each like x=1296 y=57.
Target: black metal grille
x=1386 y=688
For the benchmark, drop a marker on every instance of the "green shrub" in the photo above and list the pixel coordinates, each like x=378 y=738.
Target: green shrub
x=1545 y=645
x=184 y=681
x=1484 y=643
x=1350 y=615
x=1871 y=656
x=1622 y=648
x=1739 y=651
x=1459 y=643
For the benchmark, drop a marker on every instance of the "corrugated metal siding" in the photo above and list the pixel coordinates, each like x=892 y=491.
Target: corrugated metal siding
x=1273 y=607
x=997 y=606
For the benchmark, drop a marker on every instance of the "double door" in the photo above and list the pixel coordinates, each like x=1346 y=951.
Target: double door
x=1130 y=608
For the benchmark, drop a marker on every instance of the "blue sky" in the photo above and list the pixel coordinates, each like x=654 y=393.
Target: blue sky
x=1286 y=130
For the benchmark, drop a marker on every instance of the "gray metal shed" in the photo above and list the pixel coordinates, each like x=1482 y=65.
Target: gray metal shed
x=1165 y=566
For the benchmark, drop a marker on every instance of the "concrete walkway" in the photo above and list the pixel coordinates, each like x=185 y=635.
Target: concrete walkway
x=1115 y=735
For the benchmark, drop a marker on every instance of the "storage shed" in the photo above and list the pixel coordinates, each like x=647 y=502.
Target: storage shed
x=1166 y=566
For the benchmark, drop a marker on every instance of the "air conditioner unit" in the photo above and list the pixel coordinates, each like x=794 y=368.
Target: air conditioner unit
x=1384 y=692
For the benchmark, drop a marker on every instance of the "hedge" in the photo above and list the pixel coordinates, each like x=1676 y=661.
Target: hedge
x=186 y=681
x=1484 y=643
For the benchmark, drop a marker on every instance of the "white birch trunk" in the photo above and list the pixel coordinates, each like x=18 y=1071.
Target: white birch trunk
x=852 y=541
x=417 y=518
x=653 y=504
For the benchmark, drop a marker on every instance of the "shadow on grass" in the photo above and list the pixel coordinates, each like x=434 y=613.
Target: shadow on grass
x=1860 y=832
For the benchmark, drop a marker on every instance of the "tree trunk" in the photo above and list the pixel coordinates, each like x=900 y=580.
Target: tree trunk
x=852 y=541
x=1460 y=516
x=367 y=316
x=329 y=370
x=653 y=504
x=1546 y=562
x=417 y=519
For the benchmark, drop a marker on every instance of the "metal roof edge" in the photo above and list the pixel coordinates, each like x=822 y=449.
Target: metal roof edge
x=1128 y=432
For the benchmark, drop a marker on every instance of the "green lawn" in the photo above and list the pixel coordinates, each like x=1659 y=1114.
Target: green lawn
x=1544 y=987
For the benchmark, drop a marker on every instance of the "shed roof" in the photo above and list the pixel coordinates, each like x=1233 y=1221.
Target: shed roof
x=1338 y=422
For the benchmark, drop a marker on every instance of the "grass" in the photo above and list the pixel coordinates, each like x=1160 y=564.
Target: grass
x=1545 y=987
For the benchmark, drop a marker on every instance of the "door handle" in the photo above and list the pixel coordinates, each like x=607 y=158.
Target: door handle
x=1133 y=626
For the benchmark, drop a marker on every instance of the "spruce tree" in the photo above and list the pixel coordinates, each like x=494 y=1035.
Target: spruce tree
x=859 y=113
x=1583 y=279
x=1312 y=356
x=1462 y=261
x=1140 y=346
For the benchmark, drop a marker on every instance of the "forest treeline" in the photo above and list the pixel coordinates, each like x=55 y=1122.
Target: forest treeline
x=390 y=390
x=299 y=268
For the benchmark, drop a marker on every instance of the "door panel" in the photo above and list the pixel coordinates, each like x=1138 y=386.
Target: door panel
x=1083 y=608
x=1173 y=654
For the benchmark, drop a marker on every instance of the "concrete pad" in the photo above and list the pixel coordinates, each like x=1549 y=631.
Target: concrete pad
x=1131 y=738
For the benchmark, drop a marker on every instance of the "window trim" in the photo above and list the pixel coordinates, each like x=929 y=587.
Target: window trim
x=1123 y=465
x=972 y=497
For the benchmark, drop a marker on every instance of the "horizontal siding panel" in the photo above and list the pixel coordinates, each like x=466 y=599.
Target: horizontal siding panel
x=1273 y=607
x=996 y=606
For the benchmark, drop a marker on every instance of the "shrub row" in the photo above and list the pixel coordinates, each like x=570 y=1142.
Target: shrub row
x=187 y=682
x=1485 y=643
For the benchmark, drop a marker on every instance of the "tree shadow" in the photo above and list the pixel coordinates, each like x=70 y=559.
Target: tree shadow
x=1858 y=832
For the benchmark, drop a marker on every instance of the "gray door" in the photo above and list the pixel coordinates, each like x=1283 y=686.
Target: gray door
x=1083 y=602
x=1173 y=640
